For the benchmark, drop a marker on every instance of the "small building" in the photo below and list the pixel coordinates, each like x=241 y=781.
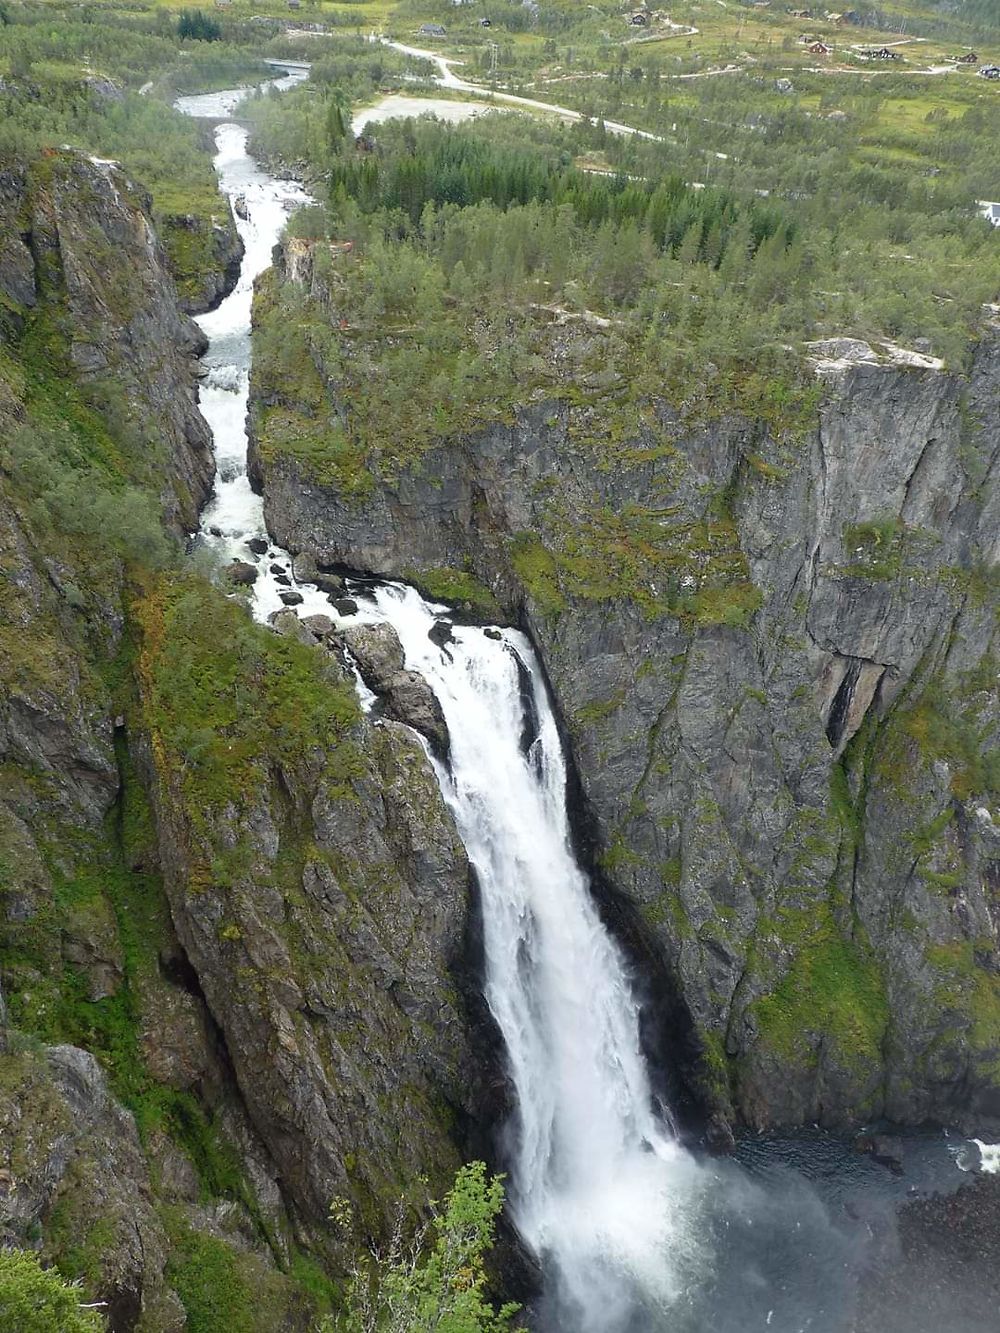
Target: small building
x=801 y=13
x=784 y=86
x=819 y=49
x=428 y=29
x=882 y=53
x=485 y=23
x=990 y=72
x=970 y=58
x=639 y=20
x=991 y=212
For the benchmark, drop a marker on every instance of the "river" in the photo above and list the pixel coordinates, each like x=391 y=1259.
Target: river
x=636 y=1233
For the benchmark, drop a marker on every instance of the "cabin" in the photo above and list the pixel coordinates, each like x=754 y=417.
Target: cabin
x=639 y=20
x=801 y=13
x=991 y=212
x=485 y=23
x=990 y=72
x=429 y=29
x=819 y=49
x=883 y=53
x=970 y=58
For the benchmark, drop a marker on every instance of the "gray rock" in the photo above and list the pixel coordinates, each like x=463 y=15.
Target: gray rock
x=318 y=625
x=287 y=622
x=241 y=572
x=407 y=696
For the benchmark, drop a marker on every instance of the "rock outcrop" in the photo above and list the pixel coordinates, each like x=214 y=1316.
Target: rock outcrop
x=407 y=696
x=319 y=890
x=774 y=657
x=80 y=254
x=181 y=1098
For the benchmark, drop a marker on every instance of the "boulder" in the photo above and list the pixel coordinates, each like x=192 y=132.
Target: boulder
x=242 y=573
x=405 y=694
x=319 y=625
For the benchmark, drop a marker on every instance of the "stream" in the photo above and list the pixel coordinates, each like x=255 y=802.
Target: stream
x=635 y=1232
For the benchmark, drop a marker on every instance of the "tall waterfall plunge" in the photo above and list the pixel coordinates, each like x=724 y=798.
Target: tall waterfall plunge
x=596 y=1174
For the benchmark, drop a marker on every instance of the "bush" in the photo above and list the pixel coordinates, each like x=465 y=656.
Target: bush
x=38 y=1300
x=437 y=1281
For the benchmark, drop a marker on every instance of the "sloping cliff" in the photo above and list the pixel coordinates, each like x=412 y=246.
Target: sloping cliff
x=774 y=654
x=227 y=906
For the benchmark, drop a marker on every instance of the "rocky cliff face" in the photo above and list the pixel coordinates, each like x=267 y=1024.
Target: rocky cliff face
x=775 y=659
x=228 y=905
x=81 y=268
x=319 y=890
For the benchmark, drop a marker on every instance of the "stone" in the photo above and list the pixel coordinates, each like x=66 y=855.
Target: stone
x=441 y=633
x=291 y=598
x=319 y=625
x=287 y=623
x=258 y=545
x=882 y=1148
x=492 y=633
x=406 y=695
x=242 y=573
x=344 y=606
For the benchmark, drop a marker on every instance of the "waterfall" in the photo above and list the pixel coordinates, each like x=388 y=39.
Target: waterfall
x=594 y=1165
x=595 y=1169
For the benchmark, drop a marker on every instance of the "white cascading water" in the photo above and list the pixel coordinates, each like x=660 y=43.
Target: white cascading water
x=596 y=1173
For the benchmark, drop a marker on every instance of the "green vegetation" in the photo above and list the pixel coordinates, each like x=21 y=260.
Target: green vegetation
x=226 y=698
x=437 y=1279
x=194 y=24
x=37 y=1300
x=458 y=588
x=833 y=990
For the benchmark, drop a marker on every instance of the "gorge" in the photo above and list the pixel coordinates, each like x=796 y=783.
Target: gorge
x=458 y=703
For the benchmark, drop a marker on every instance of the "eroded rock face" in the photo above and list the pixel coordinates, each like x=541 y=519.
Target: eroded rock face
x=70 y=1157
x=78 y=233
x=773 y=659
x=331 y=961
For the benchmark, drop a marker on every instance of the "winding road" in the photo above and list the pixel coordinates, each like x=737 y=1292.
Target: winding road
x=446 y=78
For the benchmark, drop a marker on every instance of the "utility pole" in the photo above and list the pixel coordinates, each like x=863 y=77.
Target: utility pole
x=494 y=59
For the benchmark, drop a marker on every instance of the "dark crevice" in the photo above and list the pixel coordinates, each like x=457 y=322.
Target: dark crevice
x=836 y=723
